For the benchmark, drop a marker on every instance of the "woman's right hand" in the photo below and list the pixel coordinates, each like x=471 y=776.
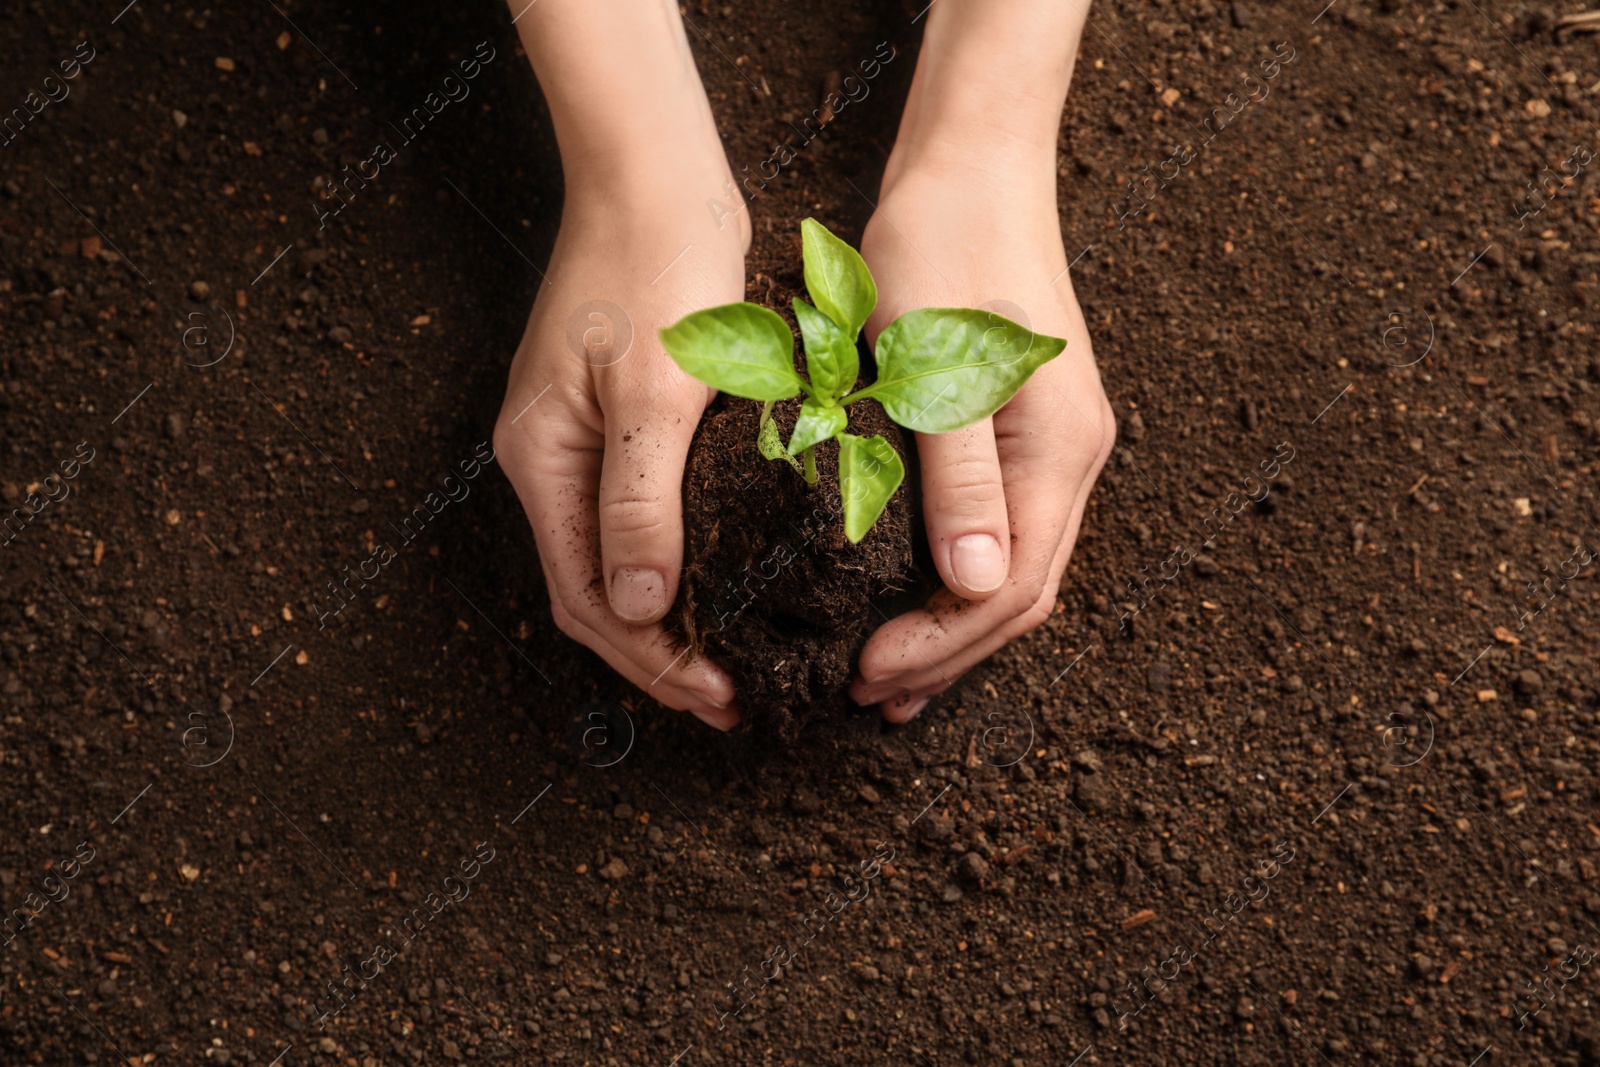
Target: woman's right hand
x=596 y=424
x=595 y=428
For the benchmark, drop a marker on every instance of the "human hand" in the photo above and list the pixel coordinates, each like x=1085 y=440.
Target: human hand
x=597 y=420
x=1002 y=499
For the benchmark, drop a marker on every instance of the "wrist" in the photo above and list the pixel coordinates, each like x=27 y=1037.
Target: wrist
x=996 y=136
x=680 y=191
x=631 y=117
x=677 y=182
x=1013 y=164
x=988 y=93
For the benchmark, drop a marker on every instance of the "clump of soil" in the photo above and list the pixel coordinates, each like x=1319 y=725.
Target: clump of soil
x=772 y=588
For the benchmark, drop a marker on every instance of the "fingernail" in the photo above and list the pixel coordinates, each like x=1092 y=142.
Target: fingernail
x=718 y=720
x=978 y=563
x=906 y=713
x=877 y=692
x=637 y=593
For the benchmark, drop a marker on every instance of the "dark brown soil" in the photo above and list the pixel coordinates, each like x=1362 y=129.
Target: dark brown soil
x=772 y=589
x=1344 y=688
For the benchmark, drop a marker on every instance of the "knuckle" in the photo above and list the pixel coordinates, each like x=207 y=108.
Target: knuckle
x=1039 y=610
x=502 y=438
x=633 y=513
x=655 y=393
x=968 y=486
x=1032 y=618
x=565 y=618
x=1108 y=432
x=1030 y=601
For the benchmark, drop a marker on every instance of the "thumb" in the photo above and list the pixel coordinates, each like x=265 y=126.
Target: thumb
x=964 y=504
x=648 y=431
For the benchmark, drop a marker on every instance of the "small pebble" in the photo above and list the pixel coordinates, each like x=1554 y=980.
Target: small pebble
x=1159 y=676
x=972 y=868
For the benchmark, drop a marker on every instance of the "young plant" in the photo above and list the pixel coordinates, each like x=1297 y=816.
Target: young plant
x=939 y=370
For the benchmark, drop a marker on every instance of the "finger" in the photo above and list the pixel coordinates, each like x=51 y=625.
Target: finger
x=649 y=423
x=971 y=647
x=909 y=702
x=553 y=459
x=698 y=687
x=964 y=506
x=903 y=709
x=1051 y=475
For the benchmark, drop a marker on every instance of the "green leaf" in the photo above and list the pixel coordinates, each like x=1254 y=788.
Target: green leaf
x=831 y=357
x=869 y=473
x=739 y=349
x=769 y=441
x=940 y=369
x=837 y=278
x=817 y=423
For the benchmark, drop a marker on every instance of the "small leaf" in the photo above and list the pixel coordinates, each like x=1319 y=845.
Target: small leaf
x=837 y=279
x=770 y=442
x=941 y=369
x=817 y=423
x=869 y=473
x=831 y=357
x=739 y=349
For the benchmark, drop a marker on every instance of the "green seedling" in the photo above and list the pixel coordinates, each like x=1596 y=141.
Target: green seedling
x=939 y=370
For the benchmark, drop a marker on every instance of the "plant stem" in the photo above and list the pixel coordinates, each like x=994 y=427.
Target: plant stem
x=811 y=466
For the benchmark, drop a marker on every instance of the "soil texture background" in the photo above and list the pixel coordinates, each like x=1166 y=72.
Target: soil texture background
x=215 y=814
